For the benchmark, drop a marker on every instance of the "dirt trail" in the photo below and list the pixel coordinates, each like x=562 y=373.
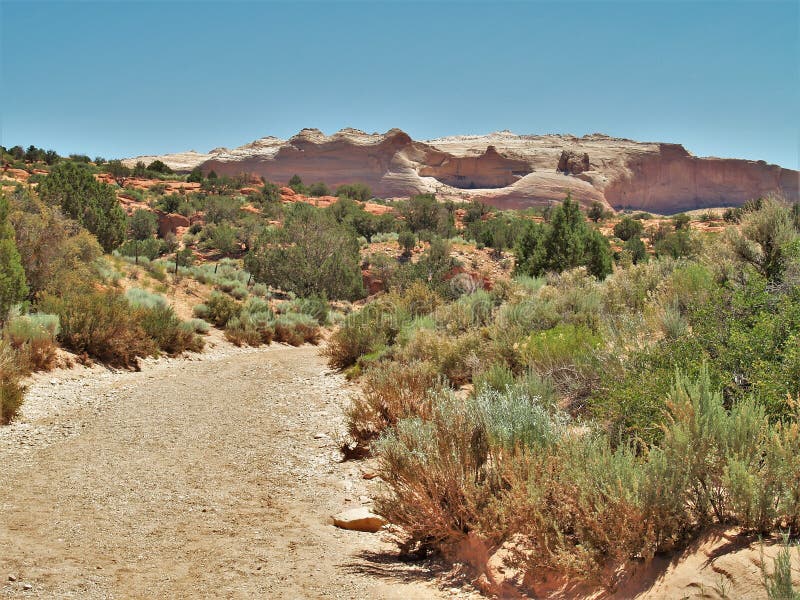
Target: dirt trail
x=205 y=478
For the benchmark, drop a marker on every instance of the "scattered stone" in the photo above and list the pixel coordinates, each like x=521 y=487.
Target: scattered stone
x=359 y=519
x=369 y=476
x=27 y=586
x=320 y=436
x=12 y=578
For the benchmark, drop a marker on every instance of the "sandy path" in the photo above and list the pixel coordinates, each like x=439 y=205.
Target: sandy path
x=190 y=479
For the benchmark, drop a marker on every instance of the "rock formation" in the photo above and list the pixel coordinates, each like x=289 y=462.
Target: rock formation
x=504 y=169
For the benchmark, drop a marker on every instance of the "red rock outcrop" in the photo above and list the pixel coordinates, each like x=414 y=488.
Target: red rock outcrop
x=573 y=162
x=505 y=169
x=171 y=223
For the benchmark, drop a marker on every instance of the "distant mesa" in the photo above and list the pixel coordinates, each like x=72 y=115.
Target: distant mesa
x=502 y=168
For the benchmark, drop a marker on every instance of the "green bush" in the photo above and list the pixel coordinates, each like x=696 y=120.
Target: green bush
x=365 y=331
x=12 y=392
x=628 y=228
x=219 y=309
x=163 y=326
x=566 y=354
x=355 y=191
x=92 y=204
x=564 y=243
x=310 y=255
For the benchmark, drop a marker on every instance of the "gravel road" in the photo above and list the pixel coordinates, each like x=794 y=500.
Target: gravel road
x=213 y=476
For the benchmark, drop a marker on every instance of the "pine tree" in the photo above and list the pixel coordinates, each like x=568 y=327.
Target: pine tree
x=13 y=288
x=91 y=203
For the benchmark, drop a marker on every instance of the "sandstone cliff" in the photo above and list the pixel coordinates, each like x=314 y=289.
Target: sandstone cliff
x=505 y=169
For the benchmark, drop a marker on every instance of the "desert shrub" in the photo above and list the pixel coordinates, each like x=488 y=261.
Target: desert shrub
x=407 y=241
x=767 y=236
x=150 y=248
x=738 y=467
x=441 y=482
x=219 y=309
x=564 y=243
x=253 y=326
x=453 y=318
x=296 y=329
x=631 y=288
x=673 y=323
x=311 y=254
x=778 y=584
x=365 y=331
x=479 y=305
x=34 y=339
x=566 y=354
x=628 y=228
x=681 y=243
x=241 y=331
x=143 y=299
x=409 y=329
x=575 y=296
x=200 y=311
x=502 y=465
x=163 y=326
x=356 y=191
x=316 y=307
x=318 y=189
x=258 y=306
x=260 y=290
x=197 y=325
x=496 y=377
x=100 y=324
x=12 y=392
x=681 y=221
x=690 y=284
x=424 y=213
x=13 y=287
x=528 y=284
x=635 y=248
x=390 y=236
x=455 y=357
x=419 y=299
x=390 y=392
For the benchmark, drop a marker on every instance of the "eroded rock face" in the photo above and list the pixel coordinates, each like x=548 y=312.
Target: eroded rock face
x=488 y=170
x=505 y=169
x=572 y=162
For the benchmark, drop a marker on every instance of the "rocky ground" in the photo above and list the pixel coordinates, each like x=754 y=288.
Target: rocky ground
x=208 y=476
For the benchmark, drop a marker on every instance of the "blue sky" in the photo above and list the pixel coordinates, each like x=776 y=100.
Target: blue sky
x=122 y=78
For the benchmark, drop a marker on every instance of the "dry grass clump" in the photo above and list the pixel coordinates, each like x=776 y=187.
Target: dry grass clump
x=33 y=337
x=390 y=393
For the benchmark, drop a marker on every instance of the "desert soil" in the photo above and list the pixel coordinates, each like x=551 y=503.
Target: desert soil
x=212 y=476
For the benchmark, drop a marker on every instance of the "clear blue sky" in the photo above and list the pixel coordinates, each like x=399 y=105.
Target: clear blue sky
x=124 y=78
